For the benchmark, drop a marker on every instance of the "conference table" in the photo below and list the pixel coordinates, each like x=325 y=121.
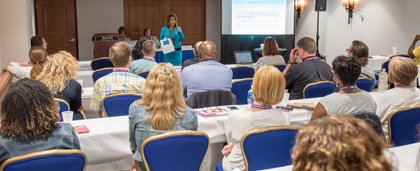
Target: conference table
x=108 y=141
x=402 y=157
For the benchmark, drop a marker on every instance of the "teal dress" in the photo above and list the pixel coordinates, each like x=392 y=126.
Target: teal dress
x=175 y=57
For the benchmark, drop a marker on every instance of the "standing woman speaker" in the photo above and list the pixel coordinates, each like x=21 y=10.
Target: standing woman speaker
x=173 y=32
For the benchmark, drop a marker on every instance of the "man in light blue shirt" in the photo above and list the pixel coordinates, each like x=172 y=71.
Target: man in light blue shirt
x=148 y=60
x=208 y=74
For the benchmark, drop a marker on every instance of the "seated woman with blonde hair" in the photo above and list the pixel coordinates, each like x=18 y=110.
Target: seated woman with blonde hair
x=29 y=116
x=268 y=89
x=339 y=143
x=402 y=72
x=59 y=75
x=161 y=109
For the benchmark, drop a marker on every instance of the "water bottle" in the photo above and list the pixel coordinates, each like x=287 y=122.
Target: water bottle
x=383 y=81
x=250 y=98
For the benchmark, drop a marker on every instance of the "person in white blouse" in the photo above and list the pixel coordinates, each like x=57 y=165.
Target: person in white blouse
x=349 y=99
x=268 y=89
x=402 y=72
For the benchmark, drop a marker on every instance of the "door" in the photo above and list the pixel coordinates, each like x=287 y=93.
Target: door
x=139 y=14
x=56 y=22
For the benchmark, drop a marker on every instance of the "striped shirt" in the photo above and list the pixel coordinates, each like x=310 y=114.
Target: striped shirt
x=119 y=81
x=268 y=61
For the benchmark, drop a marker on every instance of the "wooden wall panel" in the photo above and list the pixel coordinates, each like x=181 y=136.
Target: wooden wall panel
x=191 y=14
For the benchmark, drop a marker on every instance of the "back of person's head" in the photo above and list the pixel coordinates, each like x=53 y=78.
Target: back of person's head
x=307 y=44
x=207 y=51
x=347 y=69
x=37 y=41
x=268 y=86
x=27 y=110
x=122 y=29
x=402 y=70
x=361 y=51
x=163 y=97
x=339 y=142
x=58 y=71
x=38 y=56
x=148 y=47
x=119 y=54
x=197 y=48
x=270 y=47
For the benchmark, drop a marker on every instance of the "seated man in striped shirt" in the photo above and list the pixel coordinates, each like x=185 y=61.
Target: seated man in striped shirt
x=120 y=80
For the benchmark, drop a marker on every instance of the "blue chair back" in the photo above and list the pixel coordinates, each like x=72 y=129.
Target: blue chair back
x=100 y=73
x=268 y=147
x=241 y=72
x=119 y=103
x=64 y=106
x=101 y=63
x=178 y=150
x=281 y=67
x=143 y=74
x=403 y=126
x=240 y=89
x=385 y=65
x=51 y=160
x=400 y=55
x=318 y=89
x=364 y=83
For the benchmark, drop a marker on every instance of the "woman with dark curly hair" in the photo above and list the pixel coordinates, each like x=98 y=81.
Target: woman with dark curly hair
x=360 y=51
x=339 y=142
x=29 y=116
x=350 y=99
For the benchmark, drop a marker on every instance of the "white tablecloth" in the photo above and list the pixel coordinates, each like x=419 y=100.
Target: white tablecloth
x=375 y=63
x=403 y=157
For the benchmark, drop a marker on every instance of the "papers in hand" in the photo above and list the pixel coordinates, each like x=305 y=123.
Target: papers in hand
x=167 y=46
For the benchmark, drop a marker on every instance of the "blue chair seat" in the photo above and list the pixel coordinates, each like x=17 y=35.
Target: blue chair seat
x=100 y=63
x=178 y=150
x=241 y=72
x=64 y=106
x=118 y=104
x=403 y=126
x=100 y=73
x=240 y=89
x=219 y=167
x=143 y=74
x=364 y=83
x=281 y=67
x=318 y=89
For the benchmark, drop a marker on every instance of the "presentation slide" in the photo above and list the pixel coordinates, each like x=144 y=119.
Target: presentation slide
x=258 y=16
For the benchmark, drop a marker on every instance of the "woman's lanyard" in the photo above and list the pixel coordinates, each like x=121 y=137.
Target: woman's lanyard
x=348 y=87
x=401 y=85
x=260 y=106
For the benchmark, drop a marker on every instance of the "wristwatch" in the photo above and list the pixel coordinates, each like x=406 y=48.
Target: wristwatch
x=290 y=62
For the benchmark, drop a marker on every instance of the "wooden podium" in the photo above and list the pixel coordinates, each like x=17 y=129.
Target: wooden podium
x=102 y=42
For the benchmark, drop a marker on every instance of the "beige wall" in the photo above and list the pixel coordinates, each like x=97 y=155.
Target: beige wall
x=16 y=30
x=213 y=27
x=96 y=16
x=412 y=24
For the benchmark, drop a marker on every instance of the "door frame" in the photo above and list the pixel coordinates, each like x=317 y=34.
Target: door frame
x=75 y=20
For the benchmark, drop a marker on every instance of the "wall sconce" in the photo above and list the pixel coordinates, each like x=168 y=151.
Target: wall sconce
x=350 y=4
x=299 y=6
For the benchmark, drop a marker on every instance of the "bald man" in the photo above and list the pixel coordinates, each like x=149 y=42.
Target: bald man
x=208 y=74
x=195 y=60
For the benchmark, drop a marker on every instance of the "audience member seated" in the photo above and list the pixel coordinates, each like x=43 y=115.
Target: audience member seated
x=29 y=116
x=59 y=75
x=413 y=51
x=270 y=54
x=309 y=71
x=196 y=51
x=267 y=90
x=122 y=31
x=349 y=99
x=147 y=32
x=120 y=80
x=23 y=69
x=208 y=74
x=161 y=109
x=339 y=142
x=402 y=72
x=147 y=62
x=360 y=51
